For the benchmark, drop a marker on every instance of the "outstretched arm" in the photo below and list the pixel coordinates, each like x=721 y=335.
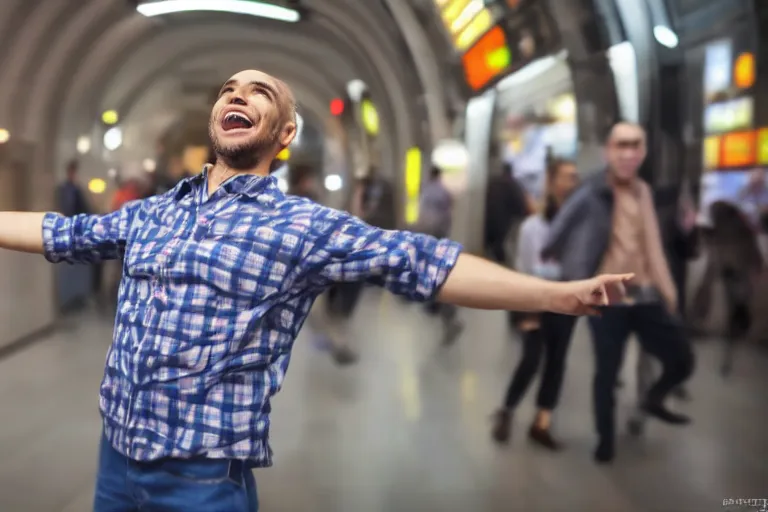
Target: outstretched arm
x=480 y=284
x=78 y=239
x=22 y=231
x=421 y=267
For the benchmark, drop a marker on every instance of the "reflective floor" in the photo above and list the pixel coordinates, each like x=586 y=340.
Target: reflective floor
x=407 y=429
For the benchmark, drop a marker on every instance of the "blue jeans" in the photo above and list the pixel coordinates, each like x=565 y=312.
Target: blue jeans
x=172 y=485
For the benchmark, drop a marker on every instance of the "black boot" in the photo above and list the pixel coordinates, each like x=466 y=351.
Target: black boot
x=502 y=426
x=658 y=411
x=605 y=451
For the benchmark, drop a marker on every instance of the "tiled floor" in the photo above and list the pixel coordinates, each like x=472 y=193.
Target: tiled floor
x=406 y=429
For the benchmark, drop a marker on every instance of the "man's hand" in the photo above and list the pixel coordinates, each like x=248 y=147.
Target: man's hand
x=584 y=297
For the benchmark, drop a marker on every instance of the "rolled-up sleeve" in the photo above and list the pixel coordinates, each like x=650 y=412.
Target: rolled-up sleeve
x=405 y=263
x=87 y=238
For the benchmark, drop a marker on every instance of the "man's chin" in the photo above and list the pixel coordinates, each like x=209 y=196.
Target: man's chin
x=240 y=156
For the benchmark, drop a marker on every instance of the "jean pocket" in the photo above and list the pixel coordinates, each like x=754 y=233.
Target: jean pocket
x=204 y=472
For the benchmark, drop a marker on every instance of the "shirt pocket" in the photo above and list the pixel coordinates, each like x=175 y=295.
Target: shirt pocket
x=151 y=248
x=252 y=264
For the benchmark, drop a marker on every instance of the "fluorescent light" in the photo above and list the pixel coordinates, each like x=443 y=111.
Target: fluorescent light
x=97 y=186
x=83 y=144
x=333 y=182
x=450 y=155
x=355 y=89
x=664 y=35
x=259 y=9
x=113 y=138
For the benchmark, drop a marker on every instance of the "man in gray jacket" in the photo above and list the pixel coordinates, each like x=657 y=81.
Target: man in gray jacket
x=610 y=225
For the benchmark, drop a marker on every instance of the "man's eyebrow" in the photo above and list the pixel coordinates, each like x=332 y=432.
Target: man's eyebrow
x=257 y=83
x=227 y=84
x=268 y=87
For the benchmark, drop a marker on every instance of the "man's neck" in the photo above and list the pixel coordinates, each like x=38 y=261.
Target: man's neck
x=620 y=184
x=221 y=172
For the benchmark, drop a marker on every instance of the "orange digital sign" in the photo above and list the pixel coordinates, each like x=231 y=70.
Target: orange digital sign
x=487 y=59
x=738 y=149
x=744 y=71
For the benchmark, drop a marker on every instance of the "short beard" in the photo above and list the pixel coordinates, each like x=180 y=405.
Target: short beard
x=244 y=156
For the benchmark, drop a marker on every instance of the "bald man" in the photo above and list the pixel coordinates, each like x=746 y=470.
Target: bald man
x=219 y=275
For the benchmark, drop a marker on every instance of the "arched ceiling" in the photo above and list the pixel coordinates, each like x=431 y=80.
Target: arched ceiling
x=63 y=61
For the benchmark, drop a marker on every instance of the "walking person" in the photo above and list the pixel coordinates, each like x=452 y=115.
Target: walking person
x=436 y=219
x=609 y=224
x=547 y=335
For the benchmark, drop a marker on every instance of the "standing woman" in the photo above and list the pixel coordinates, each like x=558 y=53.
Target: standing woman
x=547 y=333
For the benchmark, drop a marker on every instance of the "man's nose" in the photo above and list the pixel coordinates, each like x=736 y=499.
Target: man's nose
x=237 y=99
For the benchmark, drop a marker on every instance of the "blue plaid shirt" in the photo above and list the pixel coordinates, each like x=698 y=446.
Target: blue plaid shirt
x=214 y=292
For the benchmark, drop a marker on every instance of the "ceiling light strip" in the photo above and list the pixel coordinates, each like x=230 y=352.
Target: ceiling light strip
x=259 y=9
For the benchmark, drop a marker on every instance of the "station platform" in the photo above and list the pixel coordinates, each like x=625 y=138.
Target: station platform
x=408 y=427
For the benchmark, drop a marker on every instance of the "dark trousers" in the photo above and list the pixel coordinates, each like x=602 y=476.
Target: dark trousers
x=551 y=339
x=343 y=298
x=660 y=334
x=172 y=485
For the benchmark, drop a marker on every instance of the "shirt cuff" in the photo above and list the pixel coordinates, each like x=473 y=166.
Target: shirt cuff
x=442 y=262
x=57 y=237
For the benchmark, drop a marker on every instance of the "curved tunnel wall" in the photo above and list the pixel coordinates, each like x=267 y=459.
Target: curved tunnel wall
x=62 y=61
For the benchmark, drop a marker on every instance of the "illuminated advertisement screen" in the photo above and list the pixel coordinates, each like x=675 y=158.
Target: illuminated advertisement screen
x=474 y=29
x=738 y=149
x=465 y=21
x=729 y=116
x=717 y=67
x=487 y=60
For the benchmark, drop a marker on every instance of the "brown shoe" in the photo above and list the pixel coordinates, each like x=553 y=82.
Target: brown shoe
x=543 y=437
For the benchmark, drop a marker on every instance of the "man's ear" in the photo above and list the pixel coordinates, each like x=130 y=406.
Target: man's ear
x=287 y=135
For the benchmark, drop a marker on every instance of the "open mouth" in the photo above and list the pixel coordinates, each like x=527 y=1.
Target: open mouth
x=236 y=121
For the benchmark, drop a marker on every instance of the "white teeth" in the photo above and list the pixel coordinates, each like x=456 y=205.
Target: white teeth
x=233 y=115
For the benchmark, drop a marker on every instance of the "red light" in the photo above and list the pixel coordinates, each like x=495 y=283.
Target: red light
x=337 y=107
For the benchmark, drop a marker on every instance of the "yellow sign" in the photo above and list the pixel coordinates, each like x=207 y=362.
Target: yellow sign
x=712 y=152
x=370 y=117
x=762 y=146
x=412 y=184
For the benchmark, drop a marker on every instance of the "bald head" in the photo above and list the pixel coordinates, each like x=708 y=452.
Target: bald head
x=253 y=119
x=282 y=92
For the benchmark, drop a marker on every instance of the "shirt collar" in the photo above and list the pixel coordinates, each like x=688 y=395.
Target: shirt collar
x=248 y=185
